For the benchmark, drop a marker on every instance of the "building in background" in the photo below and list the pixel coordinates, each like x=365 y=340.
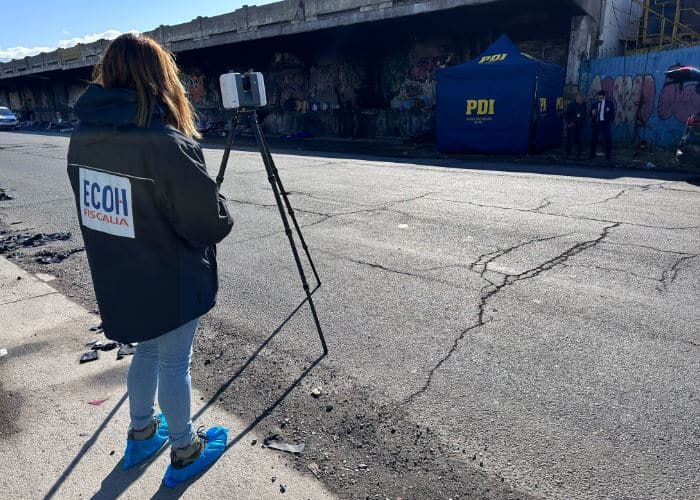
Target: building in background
x=351 y=68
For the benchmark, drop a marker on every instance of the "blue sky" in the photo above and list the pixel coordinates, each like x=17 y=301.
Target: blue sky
x=32 y=25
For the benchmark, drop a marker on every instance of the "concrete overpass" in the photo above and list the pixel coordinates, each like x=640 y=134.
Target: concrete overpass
x=334 y=67
x=248 y=23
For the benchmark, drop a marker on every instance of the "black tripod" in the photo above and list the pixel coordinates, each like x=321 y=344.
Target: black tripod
x=280 y=195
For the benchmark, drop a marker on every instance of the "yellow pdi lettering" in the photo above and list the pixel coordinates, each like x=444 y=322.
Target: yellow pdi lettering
x=543 y=104
x=481 y=107
x=493 y=58
x=560 y=104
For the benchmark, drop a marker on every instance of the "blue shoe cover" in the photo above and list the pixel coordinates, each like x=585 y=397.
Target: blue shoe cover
x=216 y=446
x=139 y=450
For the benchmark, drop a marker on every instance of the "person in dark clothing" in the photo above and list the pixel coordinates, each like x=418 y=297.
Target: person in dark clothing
x=602 y=118
x=575 y=116
x=150 y=217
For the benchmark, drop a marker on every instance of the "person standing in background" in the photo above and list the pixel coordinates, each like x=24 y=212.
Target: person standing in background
x=602 y=118
x=575 y=116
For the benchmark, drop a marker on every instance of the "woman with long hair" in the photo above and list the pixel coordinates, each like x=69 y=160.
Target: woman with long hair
x=150 y=217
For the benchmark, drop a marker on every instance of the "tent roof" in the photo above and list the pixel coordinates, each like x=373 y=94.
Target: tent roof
x=503 y=45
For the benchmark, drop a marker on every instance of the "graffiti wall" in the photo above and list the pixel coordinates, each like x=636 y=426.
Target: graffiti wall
x=648 y=106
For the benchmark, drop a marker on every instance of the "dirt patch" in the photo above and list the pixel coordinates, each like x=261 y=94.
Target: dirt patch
x=358 y=446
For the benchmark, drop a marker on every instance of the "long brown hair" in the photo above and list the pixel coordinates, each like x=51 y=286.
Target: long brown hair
x=139 y=62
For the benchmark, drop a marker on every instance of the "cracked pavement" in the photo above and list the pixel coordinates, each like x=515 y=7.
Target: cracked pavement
x=541 y=328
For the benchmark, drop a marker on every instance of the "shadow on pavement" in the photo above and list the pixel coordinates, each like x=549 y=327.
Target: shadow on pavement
x=88 y=444
x=118 y=481
x=551 y=163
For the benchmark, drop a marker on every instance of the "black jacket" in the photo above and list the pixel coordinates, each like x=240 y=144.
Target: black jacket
x=149 y=214
x=608 y=115
x=576 y=114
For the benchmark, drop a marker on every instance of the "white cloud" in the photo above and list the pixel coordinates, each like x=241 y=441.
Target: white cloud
x=21 y=52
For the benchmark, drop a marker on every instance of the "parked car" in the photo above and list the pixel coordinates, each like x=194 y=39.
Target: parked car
x=8 y=120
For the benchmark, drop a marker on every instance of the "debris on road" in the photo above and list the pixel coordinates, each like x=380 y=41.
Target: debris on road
x=329 y=408
x=3 y=353
x=126 y=350
x=273 y=441
x=282 y=488
x=4 y=196
x=97 y=402
x=316 y=393
x=48 y=257
x=108 y=346
x=89 y=356
x=24 y=240
x=96 y=328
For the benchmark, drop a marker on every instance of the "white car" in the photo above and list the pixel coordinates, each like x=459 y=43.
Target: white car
x=8 y=120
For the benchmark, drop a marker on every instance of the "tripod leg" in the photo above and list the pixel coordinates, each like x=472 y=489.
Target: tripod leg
x=265 y=151
x=269 y=167
x=227 y=150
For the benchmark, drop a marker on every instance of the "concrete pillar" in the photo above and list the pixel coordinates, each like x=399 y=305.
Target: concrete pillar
x=583 y=41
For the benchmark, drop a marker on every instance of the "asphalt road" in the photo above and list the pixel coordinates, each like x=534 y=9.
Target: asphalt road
x=495 y=330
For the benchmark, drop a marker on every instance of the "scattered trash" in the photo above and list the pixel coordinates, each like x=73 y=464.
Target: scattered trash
x=96 y=328
x=282 y=488
x=315 y=469
x=109 y=346
x=4 y=196
x=92 y=343
x=3 y=353
x=273 y=441
x=48 y=257
x=95 y=346
x=111 y=453
x=273 y=479
x=126 y=350
x=207 y=362
x=403 y=226
x=19 y=278
x=316 y=393
x=329 y=408
x=16 y=241
x=253 y=442
x=649 y=165
x=45 y=277
x=97 y=402
x=362 y=466
x=89 y=356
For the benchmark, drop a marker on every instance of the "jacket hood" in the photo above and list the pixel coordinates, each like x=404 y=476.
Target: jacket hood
x=102 y=106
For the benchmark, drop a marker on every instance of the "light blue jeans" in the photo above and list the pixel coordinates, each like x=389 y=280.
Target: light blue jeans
x=164 y=363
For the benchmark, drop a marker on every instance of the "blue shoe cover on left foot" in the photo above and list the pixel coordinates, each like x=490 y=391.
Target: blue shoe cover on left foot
x=139 y=450
x=216 y=446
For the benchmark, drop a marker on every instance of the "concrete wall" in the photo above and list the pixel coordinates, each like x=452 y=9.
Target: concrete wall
x=647 y=107
x=336 y=81
x=620 y=21
x=252 y=23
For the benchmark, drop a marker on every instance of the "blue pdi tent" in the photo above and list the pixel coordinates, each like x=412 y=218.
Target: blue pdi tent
x=500 y=102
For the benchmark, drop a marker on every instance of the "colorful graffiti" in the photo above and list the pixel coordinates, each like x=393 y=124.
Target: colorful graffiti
x=650 y=108
x=678 y=101
x=634 y=96
x=195 y=88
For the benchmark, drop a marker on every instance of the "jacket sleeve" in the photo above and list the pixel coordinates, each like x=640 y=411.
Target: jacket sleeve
x=189 y=197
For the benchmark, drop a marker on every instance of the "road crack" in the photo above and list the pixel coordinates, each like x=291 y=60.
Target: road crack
x=538 y=211
x=669 y=275
x=491 y=290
